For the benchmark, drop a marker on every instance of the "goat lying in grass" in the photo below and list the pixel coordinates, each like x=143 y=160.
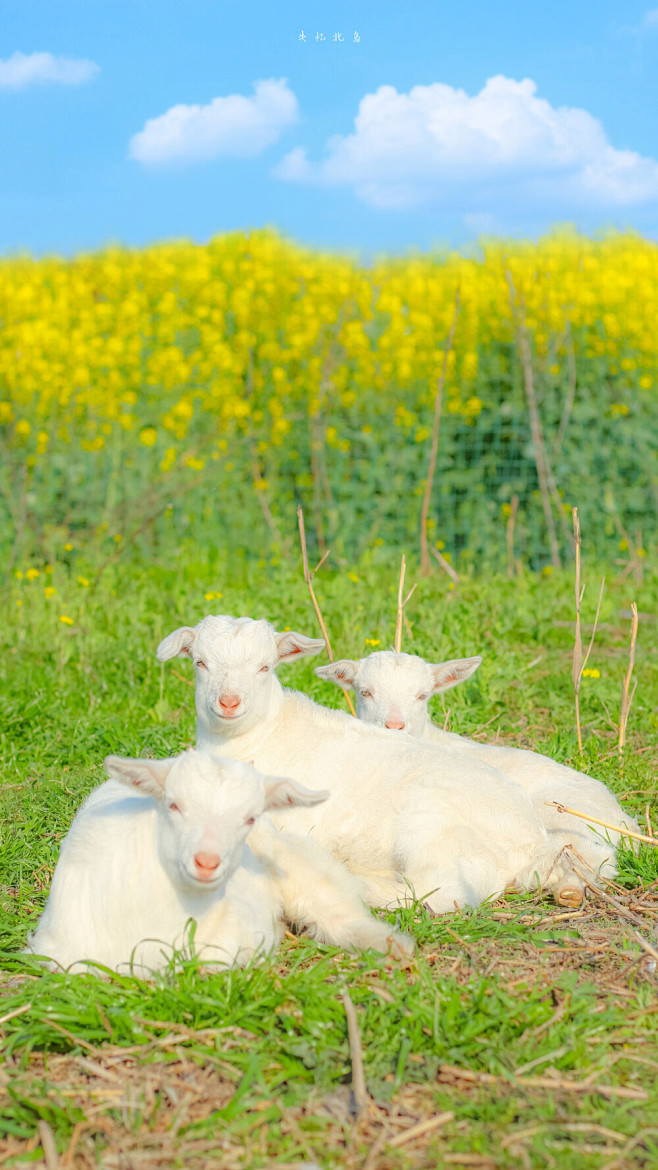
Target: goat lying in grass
x=393 y=690
x=136 y=866
x=407 y=816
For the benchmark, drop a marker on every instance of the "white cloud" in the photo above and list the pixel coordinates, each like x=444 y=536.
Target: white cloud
x=437 y=146
x=237 y=126
x=23 y=69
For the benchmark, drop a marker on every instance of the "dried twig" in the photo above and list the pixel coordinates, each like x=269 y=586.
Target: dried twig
x=541 y=458
x=429 y=482
x=421 y=1130
x=308 y=577
x=48 y=1145
x=605 y=897
x=627 y=694
x=646 y=945
x=446 y=566
x=359 y=1087
x=606 y=824
x=401 y=604
x=449 y=1072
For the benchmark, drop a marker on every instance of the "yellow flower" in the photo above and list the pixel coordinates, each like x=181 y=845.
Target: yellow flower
x=117 y=538
x=210 y=596
x=591 y=673
x=83 y=581
x=19 y=575
x=373 y=641
x=19 y=602
x=195 y=464
x=66 y=620
x=353 y=577
x=23 y=428
x=68 y=548
x=148 y=437
x=32 y=574
x=49 y=592
x=547 y=570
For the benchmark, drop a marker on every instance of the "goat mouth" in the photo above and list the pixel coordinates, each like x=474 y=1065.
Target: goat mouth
x=228 y=716
x=205 y=879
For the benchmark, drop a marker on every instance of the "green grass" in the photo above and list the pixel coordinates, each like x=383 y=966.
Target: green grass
x=252 y=1068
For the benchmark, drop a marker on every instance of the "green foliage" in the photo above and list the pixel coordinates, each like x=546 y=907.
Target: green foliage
x=484 y=992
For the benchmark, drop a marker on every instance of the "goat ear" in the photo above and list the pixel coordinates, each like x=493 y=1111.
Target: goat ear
x=147 y=776
x=280 y=793
x=290 y=645
x=343 y=673
x=180 y=642
x=449 y=674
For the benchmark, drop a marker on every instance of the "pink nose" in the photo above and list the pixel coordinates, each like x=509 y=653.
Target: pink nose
x=229 y=702
x=395 y=724
x=206 y=864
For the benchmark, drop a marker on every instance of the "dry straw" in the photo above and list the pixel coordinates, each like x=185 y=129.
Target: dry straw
x=605 y=824
x=429 y=483
x=627 y=694
x=308 y=577
x=579 y=663
x=544 y=475
x=401 y=604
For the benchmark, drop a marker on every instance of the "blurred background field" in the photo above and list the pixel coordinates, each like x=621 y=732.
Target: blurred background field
x=186 y=395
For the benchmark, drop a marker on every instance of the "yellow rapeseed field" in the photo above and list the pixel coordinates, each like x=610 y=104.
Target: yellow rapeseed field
x=250 y=332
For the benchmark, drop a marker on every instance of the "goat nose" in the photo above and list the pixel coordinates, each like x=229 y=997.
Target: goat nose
x=395 y=724
x=229 y=702
x=206 y=863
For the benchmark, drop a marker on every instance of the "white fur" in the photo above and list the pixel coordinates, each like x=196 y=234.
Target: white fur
x=127 y=883
x=395 y=689
x=409 y=817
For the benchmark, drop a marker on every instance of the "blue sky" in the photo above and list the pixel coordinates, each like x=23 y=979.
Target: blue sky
x=141 y=120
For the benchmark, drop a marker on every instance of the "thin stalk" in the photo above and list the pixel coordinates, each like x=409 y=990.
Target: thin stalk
x=429 y=483
x=401 y=605
x=626 y=693
x=308 y=577
x=541 y=459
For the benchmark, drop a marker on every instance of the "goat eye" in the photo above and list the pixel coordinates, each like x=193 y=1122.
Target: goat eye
x=366 y=694
x=174 y=807
x=263 y=669
x=201 y=664
x=421 y=698
x=250 y=821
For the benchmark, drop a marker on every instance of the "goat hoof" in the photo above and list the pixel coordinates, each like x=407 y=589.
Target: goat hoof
x=571 y=896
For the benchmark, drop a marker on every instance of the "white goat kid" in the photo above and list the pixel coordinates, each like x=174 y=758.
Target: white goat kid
x=392 y=690
x=135 y=867
x=402 y=813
